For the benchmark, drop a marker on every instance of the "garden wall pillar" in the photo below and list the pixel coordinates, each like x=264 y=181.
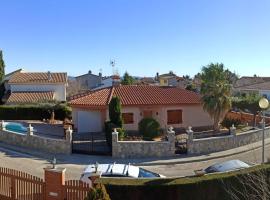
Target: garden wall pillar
x=171 y=139
x=30 y=130
x=69 y=132
x=114 y=143
x=54 y=181
x=3 y=126
x=233 y=130
x=189 y=140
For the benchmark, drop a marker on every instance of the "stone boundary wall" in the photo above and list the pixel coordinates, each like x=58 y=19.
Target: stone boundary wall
x=215 y=144
x=140 y=149
x=44 y=144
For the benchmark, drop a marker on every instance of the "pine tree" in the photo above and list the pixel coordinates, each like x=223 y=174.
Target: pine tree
x=127 y=79
x=2 y=66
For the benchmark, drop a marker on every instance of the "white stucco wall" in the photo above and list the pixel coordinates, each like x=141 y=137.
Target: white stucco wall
x=59 y=89
x=192 y=115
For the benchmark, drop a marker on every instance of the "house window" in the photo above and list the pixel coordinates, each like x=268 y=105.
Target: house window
x=174 y=117
x=127 y=118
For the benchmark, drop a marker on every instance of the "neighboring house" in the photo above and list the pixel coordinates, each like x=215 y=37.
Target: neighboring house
x=29 y=87
x=89 y=81
x=260 y=85
x=109 y=81
x=170 y=106
x=171 y=79
x=146 y=81
x=8 y=77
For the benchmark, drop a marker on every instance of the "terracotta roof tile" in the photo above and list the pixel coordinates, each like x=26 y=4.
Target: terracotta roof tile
x=30 y=97
x=38 y=77
x=139 y=95
x=96 y=98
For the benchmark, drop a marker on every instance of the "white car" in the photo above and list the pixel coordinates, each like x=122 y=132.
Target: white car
x=117 y=170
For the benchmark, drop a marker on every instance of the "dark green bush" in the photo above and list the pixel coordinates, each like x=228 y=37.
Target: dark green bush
x=34 y=112
x=98 y=193
x=121 y=133
x=149 y=128
x=228 y=122
x=209 y=187
x=115 y=111
x=109 y=128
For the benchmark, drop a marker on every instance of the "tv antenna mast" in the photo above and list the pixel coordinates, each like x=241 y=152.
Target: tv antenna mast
x=114 y=70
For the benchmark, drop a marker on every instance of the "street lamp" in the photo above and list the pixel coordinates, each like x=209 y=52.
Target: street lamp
x=264 y=104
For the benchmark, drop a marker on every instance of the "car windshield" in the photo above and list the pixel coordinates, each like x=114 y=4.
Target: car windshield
x=146 y=173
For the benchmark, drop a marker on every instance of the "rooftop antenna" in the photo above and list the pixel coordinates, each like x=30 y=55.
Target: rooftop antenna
x=112 y=63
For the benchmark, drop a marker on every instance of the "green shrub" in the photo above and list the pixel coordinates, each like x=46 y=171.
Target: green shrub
x=34 y=112
x=121 y=133
x=228 y=122
x=209 y=187
x=109 y=128
x=149 y=128
x=98 y=193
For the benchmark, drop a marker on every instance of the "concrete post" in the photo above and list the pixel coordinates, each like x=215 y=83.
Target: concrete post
x=69 y=132
x=171 y=139
x=233 y=130
x=3 y=125
x=189 y=140
x=54 y=181
x=190 y=133
x=30 y=130
x=114 y=143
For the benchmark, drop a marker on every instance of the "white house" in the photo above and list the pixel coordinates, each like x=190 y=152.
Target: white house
x=32 y=87
x=255 y=84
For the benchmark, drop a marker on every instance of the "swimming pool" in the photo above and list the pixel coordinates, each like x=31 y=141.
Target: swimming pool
x=15 y=127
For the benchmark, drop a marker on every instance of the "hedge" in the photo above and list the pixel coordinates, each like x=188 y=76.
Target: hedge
x=34 y=112
x=208 y=187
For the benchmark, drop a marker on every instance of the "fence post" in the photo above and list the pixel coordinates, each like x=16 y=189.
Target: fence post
x=54 y=183
x=189 y=140
x=114 y=143
x=171 y=140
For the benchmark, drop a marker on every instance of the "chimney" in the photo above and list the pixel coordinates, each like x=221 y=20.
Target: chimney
x=157 y=76
x=49 y=76
x=89 y=72
x=116 y=80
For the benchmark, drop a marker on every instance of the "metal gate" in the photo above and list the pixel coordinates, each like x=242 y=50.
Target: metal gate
x=90 y=143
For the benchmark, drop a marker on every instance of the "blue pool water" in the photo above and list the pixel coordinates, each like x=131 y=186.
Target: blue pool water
x=16 y=127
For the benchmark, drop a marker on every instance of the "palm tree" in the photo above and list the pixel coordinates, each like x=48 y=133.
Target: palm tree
x=216 y=92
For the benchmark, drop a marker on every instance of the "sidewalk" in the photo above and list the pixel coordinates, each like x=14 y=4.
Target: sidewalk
x=79 y=159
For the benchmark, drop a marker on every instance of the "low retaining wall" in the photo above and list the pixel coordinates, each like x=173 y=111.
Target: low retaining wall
x=48 y=145
x=140 y=149
x=215 y=144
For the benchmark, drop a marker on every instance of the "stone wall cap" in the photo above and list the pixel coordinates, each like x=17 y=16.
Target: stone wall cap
x=56 y=169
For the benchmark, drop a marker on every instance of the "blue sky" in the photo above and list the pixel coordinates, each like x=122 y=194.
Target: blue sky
x=143 y=36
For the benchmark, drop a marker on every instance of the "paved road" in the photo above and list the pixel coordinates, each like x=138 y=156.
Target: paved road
x=34 y=165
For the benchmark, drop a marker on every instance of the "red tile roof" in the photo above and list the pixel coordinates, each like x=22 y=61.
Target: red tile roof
x=138 y=95
x=38 y=77
x=30 y=97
